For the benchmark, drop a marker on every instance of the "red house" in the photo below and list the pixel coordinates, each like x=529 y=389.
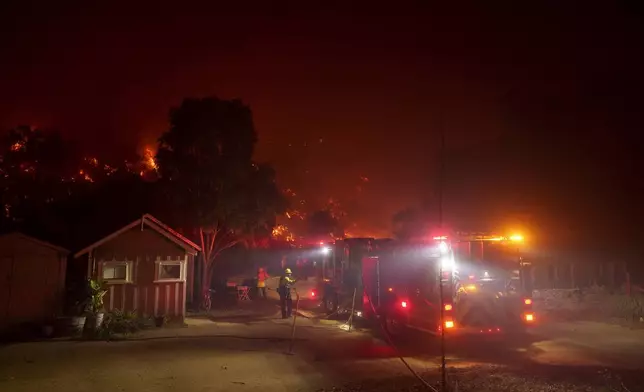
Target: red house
x=148 y=267
x=32 y=279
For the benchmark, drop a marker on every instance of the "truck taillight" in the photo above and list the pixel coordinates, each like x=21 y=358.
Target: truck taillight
x=448 y=307
x=529 y=317
x=313 y=294
x=527 y=301
x=449 y=324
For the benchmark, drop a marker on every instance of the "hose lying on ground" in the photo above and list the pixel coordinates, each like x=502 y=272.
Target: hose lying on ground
x=391 y=343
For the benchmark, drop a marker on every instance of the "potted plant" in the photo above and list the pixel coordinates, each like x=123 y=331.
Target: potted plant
x=95 y=311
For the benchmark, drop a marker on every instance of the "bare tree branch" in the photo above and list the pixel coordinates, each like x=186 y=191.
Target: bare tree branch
x=203 y=246
x=212 y=242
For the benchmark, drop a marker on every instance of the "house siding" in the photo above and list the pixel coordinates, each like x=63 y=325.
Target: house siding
x=143 y=248
x=155 y=299
x=137 y=242
x=32 y=280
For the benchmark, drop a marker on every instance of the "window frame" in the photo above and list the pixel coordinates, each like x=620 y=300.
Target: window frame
x=116 y=263
x=182 y=271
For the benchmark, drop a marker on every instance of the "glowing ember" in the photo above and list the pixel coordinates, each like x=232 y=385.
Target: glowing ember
x=295 y=214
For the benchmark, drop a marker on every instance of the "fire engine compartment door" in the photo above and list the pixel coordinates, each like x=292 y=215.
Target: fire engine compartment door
x=371 y=284
x=424 y=296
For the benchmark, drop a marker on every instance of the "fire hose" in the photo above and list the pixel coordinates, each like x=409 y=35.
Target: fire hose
x=391 y=343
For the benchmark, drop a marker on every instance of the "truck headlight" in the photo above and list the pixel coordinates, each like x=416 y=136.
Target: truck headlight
x=448 y=263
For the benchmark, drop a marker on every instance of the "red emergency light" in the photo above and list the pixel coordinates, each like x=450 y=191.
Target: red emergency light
x=527 y=301
x=403 y=304
x=313 y=294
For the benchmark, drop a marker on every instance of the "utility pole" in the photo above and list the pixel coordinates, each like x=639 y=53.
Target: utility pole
x=441 y=180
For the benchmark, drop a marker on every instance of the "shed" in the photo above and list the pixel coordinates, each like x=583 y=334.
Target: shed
x=32 y=279
x=148 y=267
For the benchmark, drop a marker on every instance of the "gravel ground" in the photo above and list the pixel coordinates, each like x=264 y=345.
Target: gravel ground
x=496 y=379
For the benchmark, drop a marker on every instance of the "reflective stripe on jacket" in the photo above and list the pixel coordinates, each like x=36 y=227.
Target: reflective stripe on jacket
x=285 y=286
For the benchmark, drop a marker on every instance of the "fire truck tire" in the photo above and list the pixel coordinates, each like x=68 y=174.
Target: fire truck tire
x=393 y=325
x=330 y=304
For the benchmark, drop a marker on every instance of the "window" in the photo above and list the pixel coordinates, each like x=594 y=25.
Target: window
x=116 y=271
x=170 y=270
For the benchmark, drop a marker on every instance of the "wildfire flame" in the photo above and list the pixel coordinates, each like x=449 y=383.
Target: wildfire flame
x=17 y=146
x=85 y=176
x=148 y=159
x=282 y=232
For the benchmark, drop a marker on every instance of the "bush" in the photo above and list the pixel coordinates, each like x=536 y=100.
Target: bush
x=120 y=322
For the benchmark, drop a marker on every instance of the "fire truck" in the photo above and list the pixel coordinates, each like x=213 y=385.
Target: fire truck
x=481 y=279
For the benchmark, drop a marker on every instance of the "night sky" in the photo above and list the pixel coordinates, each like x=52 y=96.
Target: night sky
x=339 y=95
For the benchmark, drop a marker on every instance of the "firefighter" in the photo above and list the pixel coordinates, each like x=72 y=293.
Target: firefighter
x=286 y=302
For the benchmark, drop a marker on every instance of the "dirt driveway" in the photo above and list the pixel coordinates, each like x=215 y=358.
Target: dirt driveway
x=247 y=351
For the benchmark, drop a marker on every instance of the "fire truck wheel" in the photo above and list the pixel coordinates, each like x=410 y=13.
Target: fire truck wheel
x=393 y=325
x=330 y=304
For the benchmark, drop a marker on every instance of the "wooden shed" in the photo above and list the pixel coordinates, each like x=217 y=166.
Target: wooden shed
x=32 y=279
x=148 y=267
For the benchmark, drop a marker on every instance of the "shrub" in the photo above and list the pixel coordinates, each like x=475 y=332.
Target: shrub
x=120 y=322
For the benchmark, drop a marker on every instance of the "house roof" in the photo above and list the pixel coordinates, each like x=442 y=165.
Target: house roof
x=36 y=241
x=156 y=225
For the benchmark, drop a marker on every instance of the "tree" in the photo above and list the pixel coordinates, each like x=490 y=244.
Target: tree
x=321 y=225
x=206 y=168
x=409 y=224
x=52 y=190
x=37 y=168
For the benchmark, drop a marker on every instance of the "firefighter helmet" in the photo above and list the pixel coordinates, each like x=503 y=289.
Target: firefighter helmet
x=288 y=271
